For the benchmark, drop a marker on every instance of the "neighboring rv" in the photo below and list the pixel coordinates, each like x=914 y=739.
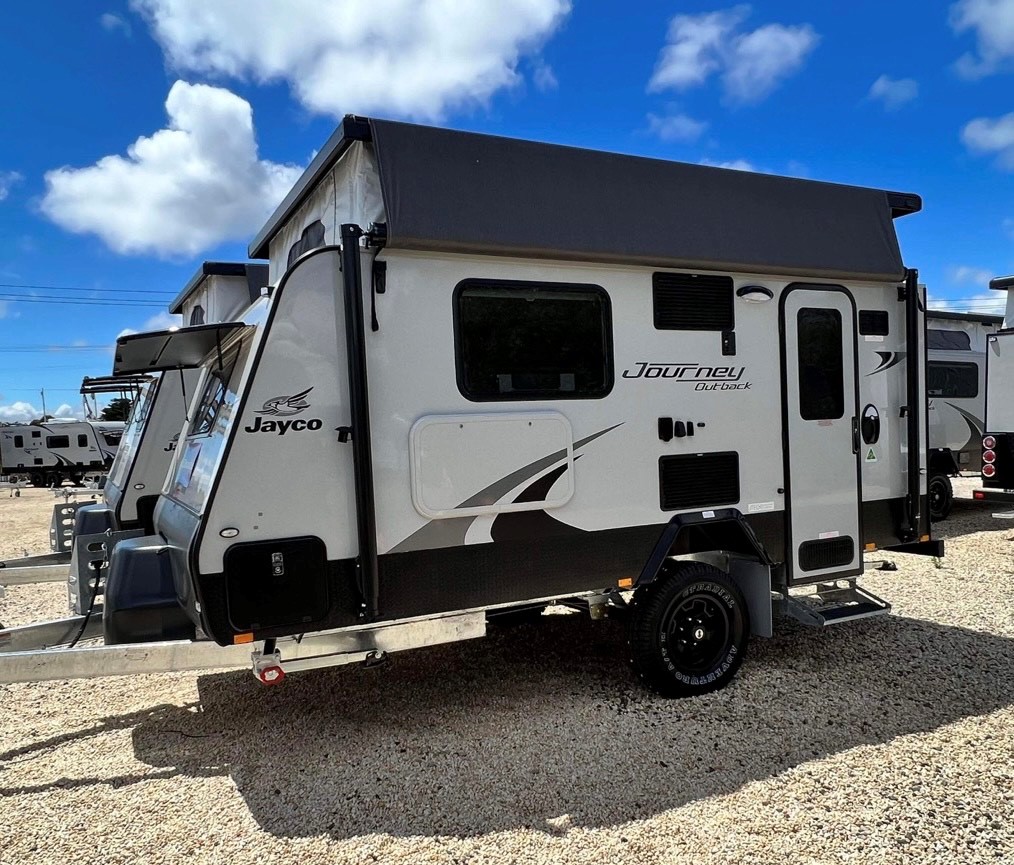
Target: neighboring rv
x=56 y=451
x=485 y=383
x=956 y=387
x=998 y=442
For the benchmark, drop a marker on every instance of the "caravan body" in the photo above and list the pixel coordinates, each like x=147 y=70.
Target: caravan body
x=998 y=442
x=50 y=453
x=219 y=291
x=956 y=385
x=496 y=373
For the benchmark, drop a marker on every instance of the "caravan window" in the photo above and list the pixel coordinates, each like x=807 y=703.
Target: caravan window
x=19 y=441
x=948 y=340
x=532 y=340
x=952 y=380
x=57 y=442
x=82 y=441
x=692 y=301
x=211 y=400
x=821 y=364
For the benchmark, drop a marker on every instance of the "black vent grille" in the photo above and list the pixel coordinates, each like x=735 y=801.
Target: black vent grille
x=688 y=301
x=827 y=553
x=874 y=322
x=698 y=480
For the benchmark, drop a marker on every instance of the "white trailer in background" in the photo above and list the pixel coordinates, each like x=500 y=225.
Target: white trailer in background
x=495 y=374
x=998 y=441
x=956 y=387
x=56 y=451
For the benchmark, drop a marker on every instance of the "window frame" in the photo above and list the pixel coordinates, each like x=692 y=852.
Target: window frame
x=609 y=379
x=53 y=442
x=952 y=363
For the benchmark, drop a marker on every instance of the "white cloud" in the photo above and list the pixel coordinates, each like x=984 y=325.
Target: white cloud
x=676 y=127
x=7 y=180
x=992 y=136
x=752 y=64
x=734 y=164
x=410 y=58
x=112 y=23
x=544 y=76
x=159 y=321
x=964 y=275
x=183 y=190
x=992 y=22
x=23 y=412
x=893 y=92
x=1008 y=227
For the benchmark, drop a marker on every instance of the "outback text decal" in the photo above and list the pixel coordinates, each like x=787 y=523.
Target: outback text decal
x=702 y=377
x=285 y=405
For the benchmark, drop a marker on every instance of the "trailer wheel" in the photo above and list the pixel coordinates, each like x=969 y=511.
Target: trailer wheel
x=37 y=479
x=688 y=631
x=941 y=497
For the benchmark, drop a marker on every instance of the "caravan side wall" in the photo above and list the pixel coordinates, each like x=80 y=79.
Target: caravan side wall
x=500 y=500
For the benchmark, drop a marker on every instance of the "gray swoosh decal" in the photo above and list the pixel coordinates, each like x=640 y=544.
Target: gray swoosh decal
x=975 y=426
x=451 y=532
x=887 y=360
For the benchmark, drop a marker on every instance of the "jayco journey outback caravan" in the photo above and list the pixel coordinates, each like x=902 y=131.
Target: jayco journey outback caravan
x=495 y=374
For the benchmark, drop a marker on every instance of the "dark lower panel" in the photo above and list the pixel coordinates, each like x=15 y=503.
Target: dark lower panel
x=882 y=521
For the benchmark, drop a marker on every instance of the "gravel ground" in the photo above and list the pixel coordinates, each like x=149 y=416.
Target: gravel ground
x=884 y=741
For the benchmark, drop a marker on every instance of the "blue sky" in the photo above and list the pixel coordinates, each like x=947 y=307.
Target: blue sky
x=143 y=137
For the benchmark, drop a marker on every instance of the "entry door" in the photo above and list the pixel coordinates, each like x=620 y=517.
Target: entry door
x=821 y=412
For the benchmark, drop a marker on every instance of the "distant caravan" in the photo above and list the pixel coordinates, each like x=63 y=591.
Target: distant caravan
x=50 y=453
x=494 y=375
x=956 y=390
x=998 y=441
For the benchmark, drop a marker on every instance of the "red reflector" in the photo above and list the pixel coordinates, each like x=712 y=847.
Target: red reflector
x=978 y=494
x=989 y=442
x=989 y=456
x=988 y=470
x=272 y=675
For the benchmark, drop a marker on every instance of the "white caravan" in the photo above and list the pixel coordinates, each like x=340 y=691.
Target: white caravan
x=494 y=374
x=56 y=451
x=956 y=388
x=998 y=442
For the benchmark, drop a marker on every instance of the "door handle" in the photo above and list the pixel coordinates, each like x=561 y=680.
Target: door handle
x=855 y=435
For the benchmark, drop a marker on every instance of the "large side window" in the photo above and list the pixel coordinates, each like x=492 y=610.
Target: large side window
x=57 y=442
x=821 y=364
x=952 y=380
x=532 y=340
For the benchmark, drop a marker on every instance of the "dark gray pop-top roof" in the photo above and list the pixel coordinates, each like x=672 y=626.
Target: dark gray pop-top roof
x=452 y=191
x=256 y=277
x=1002 y=283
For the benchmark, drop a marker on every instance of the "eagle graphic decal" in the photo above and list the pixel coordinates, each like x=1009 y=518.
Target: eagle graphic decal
x=281 y=406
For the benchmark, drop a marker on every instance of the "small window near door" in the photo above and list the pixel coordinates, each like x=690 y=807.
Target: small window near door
x=36 y=434
x=821 y=364
x=57 y=442
x=532 y=340
x=197 y=315
x=82 y=441
x=952 y=380
x=19 y=441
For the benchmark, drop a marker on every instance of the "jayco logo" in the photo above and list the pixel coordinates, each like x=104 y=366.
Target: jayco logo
x=281 y=406
x=702 y=377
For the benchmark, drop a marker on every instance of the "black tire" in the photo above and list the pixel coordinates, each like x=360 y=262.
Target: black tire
x=37 y=480
x=688 y=631
x=941 y=496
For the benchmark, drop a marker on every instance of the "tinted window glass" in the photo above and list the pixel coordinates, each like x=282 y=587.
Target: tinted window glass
x=82 y=441
x=527 y=340
x=948 y=340
x=690 y=301
x=821 y=364
x=197 y=315
x=19 y=441
x=953 y=380
x=57 y=442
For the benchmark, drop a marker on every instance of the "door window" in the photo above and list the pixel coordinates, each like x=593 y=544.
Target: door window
x=821 y=364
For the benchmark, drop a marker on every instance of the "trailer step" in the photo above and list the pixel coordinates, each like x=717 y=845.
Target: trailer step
x=46 y=635
x=835 y=603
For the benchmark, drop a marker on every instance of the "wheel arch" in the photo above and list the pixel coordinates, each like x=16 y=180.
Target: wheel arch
x=722 y=538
